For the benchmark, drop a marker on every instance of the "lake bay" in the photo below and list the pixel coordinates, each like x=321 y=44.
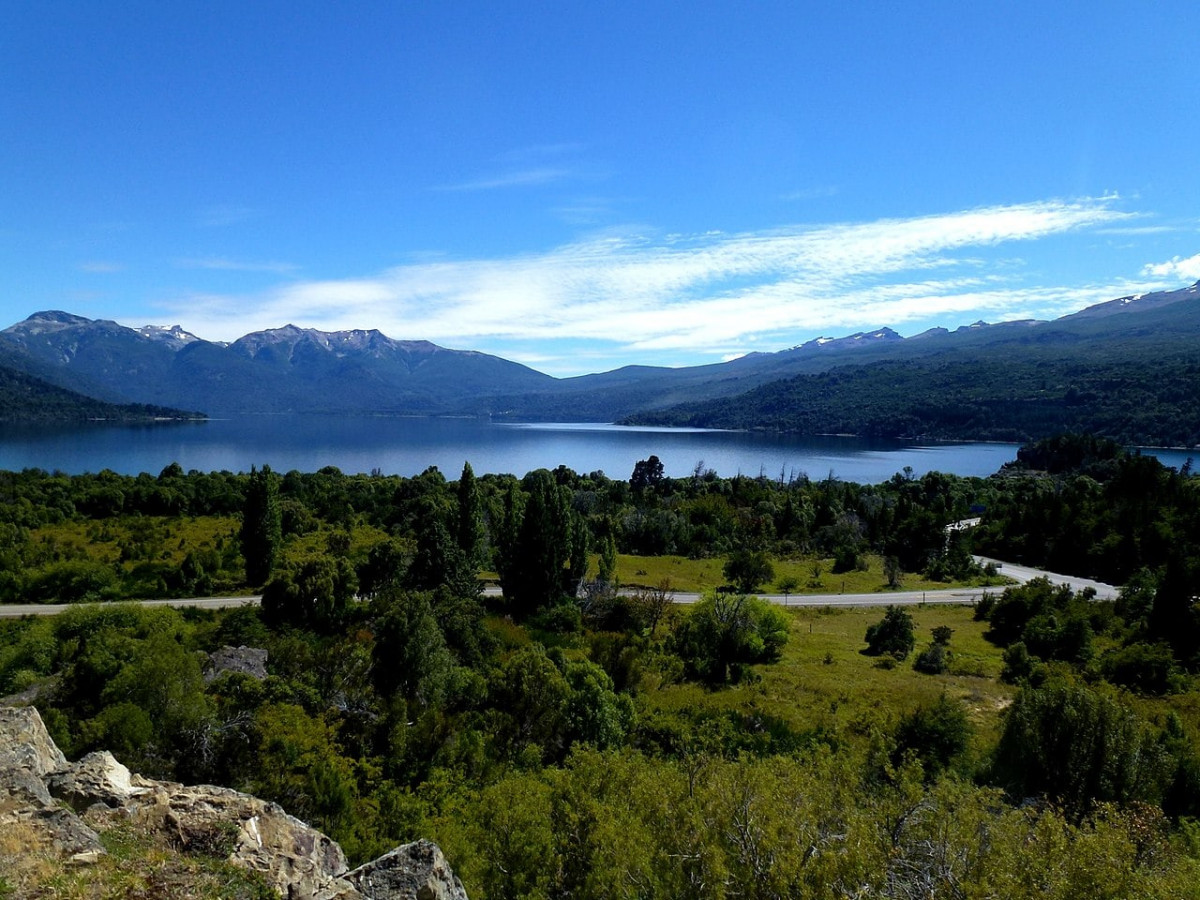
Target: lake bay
x=408 y=446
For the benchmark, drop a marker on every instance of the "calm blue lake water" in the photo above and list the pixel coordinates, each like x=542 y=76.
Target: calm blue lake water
x=407 y=446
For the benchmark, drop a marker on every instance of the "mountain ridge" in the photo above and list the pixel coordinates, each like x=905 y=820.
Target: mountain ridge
x=363 y=371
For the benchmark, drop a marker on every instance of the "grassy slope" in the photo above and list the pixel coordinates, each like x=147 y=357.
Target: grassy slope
x=825 y=681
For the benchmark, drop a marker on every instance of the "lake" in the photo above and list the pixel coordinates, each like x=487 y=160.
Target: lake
x=408 y=446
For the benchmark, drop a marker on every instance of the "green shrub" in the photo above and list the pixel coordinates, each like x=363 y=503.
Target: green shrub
x=935 y=735
x=893 y=634
x=933 y=660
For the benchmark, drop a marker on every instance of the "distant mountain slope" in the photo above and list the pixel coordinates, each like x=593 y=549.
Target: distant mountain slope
x=640 y=393
x=1104 y=370
x=24 y=398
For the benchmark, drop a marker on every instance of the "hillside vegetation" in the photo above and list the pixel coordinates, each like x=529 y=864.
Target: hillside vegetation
x=567 y=739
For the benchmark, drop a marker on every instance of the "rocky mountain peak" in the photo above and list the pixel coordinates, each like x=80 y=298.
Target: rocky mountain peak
x=49 y=321
x=173 y=336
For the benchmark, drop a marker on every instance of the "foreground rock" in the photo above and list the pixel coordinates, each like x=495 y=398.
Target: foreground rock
x=297 y=860
x=413 y=870
x=28 y=755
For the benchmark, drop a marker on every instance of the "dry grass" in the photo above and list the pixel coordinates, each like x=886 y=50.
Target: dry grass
x=138 y=864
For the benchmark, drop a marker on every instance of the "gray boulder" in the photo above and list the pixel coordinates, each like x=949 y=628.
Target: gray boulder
x=250 y=661
x=97 y=778
x=300 y=862
x=26 y=744
x=416 y=871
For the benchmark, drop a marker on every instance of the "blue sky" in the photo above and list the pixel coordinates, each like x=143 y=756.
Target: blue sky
x=579 y=186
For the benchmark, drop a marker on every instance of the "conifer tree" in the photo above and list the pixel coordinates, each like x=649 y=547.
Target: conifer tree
x=543 y=551
x=471 y=534
x=608 y=559
x=262 y=531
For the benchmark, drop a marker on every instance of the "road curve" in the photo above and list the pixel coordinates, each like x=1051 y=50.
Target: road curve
x=1022 y=574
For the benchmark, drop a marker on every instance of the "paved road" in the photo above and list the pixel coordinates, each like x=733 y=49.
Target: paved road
x=1023 y=574
x=1019 y=574
x=15 y=610
x=957 y=595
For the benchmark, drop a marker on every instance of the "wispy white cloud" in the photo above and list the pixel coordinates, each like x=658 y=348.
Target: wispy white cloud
x=221 y=215
x=713 y=293
x=525 y=155
x=811 y=193
x=531 y=166
x=587 y=211
x=517 y=178
x=234 y=265
x=101 y=266
x=1188 y=269
x=1139 y=229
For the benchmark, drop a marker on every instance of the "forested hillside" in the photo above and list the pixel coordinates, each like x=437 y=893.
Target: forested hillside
x=1137 y=388
x=24 y=398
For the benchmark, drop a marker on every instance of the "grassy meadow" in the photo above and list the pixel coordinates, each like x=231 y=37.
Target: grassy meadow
x=825 y=681
x=812 y=575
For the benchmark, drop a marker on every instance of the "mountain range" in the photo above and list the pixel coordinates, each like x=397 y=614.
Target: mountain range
x=1129 y=368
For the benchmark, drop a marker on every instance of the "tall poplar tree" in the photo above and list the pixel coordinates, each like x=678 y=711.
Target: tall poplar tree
x=471 y=532
x=261 y=532
x=543 y=552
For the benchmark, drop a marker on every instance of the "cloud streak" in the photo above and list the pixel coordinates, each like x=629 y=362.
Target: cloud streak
x=521 y=178
x=220 y=263
x=710 y=294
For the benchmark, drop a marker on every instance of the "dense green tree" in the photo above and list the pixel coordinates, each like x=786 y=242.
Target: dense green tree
x=262 y=531
x=532 y=693
x=1174 y=617
x=386 y=562
x=892 y=634
x=595 y=713
x=725 y=633
x=935 y=735
x=748 y=570
x=316 y=594
x=410 y=654
x=647 y=474
x=543 y=556
x=1078 y=747
x=439 y=560
x=607 y=563
x=470 y=531
x=1144 y=668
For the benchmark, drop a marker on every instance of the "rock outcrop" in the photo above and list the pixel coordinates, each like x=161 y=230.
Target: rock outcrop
x=50 y=798
x=28 y=755
x=413 y=870
x=250 y=661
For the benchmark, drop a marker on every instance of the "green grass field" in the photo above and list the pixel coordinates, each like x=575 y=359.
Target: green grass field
x=824 y=680
x=699 y=575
